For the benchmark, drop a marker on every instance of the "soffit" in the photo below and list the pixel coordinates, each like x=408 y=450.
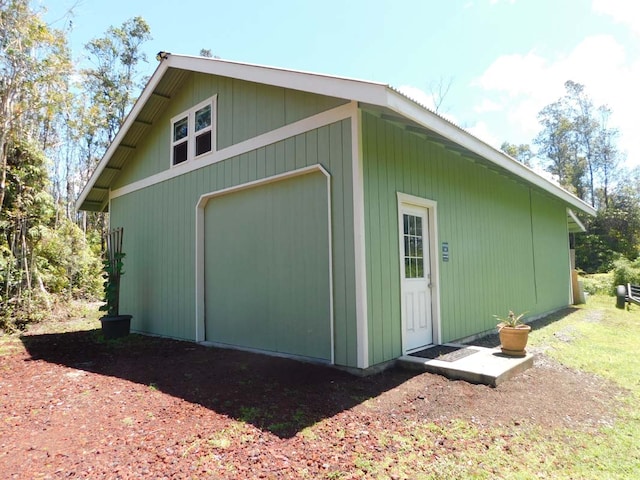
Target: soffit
x=97 y=198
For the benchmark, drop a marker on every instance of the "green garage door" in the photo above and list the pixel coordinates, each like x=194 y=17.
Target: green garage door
x=267 y=268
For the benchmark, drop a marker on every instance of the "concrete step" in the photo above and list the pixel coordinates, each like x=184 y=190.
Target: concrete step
x=487 y=366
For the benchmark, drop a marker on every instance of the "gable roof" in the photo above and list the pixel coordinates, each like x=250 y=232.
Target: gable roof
x=387 y=101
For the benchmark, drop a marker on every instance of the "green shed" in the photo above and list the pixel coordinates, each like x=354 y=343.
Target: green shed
x=321 y=218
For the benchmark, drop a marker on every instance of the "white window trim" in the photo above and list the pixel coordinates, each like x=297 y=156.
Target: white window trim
x=191 y=136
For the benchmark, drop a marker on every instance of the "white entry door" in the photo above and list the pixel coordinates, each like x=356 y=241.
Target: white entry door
x=416 y=277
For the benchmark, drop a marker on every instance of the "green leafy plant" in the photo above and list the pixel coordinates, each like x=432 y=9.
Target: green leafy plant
x=511 y=320
x=113 y=270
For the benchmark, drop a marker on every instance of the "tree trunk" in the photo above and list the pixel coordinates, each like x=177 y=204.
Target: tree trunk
x=3 y=168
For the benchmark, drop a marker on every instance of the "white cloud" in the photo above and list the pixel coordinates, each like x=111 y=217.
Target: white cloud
x=482 y=131
x=524 y=84
x=420 y=96
x=488 y=106
x=622 y=11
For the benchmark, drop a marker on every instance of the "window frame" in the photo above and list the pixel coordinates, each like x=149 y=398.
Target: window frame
x=192 y=135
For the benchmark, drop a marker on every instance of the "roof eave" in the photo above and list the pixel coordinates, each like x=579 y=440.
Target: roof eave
x=419 y=114
x=362 y=91
x=128 y=121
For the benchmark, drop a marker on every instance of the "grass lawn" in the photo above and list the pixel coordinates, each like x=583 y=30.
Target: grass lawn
x=599 y=339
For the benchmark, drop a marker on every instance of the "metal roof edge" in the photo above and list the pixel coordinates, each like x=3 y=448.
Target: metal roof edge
x=412 y=110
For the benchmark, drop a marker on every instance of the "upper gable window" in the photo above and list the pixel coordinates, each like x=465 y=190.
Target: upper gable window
x=192 y=132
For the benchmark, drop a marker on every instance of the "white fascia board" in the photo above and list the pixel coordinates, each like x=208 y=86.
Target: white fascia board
x=128 y=121
x=411 y=110
x=576 y=220
x=333 y=86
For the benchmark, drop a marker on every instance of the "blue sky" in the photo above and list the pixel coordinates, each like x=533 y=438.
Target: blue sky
x=506 y=59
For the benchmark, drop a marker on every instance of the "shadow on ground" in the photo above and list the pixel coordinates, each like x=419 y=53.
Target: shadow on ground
x=492 y=341
x=275 y=394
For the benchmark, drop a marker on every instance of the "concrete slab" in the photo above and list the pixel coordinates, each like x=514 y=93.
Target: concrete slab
x=486 y=366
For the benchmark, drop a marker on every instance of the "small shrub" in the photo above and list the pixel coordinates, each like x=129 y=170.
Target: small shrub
x=626 y=271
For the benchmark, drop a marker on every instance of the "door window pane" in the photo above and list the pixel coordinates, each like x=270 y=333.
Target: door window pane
x=413 y=251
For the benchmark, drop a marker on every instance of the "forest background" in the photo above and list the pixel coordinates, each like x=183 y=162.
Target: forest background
x=56 y=121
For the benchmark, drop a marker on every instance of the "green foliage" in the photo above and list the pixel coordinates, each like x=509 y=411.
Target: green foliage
x=612 y=234
x=577 y=144
x=626 y=271
x=511 y=320
x=578 y=147
x=113 y=81
x=113 y=270
x=51 y=137
x=598 y=283
x=521 y=152
x=593 y=254
x=67 y=262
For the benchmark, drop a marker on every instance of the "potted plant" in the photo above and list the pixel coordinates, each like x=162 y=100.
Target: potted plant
x=114 y=325
x=514 y=334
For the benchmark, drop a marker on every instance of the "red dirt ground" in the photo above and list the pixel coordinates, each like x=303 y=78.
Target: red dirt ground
x=74 y=406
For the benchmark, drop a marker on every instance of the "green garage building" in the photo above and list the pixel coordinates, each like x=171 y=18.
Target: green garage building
x=320 y=217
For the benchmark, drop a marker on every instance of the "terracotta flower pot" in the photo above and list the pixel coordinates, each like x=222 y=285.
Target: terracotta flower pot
x=513 y=340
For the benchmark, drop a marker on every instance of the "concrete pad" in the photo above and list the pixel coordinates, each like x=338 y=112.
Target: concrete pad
x=487 y=366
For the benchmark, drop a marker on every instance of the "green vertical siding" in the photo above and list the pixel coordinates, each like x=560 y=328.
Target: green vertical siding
x=159 y=240
x=244 y=110
x=551 y=247
x=508 y=246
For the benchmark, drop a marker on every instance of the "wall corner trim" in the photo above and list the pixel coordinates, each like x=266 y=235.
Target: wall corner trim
x=359 y=239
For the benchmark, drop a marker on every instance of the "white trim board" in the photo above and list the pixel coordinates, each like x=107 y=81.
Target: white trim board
x=322 y=84
x=200 y=242
x=434 y=254
x=302 y=126
x=359 y=241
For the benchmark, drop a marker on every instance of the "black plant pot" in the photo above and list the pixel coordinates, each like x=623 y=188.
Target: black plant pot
x=115 y=327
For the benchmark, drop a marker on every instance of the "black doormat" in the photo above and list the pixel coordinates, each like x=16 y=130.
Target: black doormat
x=446 y=353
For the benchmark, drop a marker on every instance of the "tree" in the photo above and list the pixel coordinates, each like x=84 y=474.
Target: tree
x=111 y=88
x=557 y=144
x=607 y=156
x=521 y=152
x=114 y=80
x=439 y=90
x=614 y=232
x=578 y=146
x=33 y=61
